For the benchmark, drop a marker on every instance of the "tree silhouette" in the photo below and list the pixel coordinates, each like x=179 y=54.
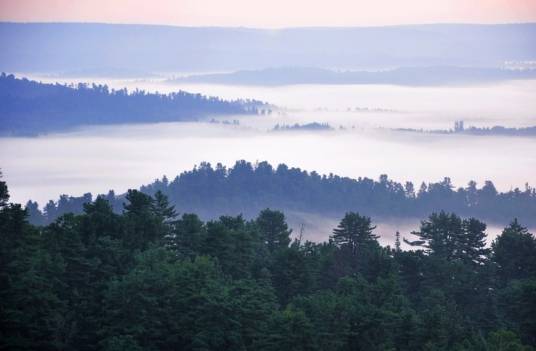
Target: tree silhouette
x=354 y=231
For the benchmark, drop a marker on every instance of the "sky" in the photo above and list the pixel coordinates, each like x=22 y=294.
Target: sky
x=270 y=13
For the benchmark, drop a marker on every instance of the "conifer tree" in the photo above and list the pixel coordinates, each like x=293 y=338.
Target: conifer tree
x=274 y=230
x=354 y=231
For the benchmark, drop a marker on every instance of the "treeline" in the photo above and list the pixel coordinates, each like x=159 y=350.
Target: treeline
x=147 y=279
x=487 y=131
x=248 y=188
x=501 y=130
x=313 y=126
x=29 y=107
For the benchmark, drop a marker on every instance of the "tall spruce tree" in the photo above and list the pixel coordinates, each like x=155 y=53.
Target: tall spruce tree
x=274 y=230
x=354 y=231
x=514 y=253
x=4 y=193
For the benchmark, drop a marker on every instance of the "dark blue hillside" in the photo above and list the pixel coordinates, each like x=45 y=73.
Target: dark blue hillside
x=29 y=107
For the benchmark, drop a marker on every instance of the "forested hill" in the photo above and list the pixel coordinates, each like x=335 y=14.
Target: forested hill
x=248 y=188
x=147 y=279
x=30 y=107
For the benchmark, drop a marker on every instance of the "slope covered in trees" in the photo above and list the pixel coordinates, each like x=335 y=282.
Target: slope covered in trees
x=248 y=188
x=147 y=279
x=29 y=107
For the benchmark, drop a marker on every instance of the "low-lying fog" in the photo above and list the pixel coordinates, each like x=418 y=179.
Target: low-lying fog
x=317 y=228
x=509 y=103
x=96 y=159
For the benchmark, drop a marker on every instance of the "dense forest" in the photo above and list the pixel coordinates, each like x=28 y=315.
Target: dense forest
x=29 y=107
x=247 y=188
x=147 y=279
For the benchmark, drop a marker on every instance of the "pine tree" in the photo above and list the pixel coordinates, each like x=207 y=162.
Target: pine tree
x=354 y=231
x=439 y=234
x=397 y=241
x=4 y=193
x=471 y=245
x=273 y=230
x=162 y=208
x=514 y=253
x=143 y=225
x=447 y=236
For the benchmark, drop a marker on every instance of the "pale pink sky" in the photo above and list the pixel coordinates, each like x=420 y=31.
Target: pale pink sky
x=270 y=13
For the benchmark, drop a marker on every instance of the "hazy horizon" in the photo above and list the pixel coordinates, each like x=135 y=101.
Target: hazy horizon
x=140 y=50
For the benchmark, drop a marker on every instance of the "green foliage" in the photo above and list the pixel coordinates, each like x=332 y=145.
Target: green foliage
x=291 y=275
x=186 y=238
x=273 y=230
x=147 y=280
x=31 y=310
x=121 y=343
x=168 y=304
x=514 y=253
x=354 y=232
x=248 y=188
x=518 y=303
x=290 y=329
x=504 y=340
x=4 y=194
x=143 y=221
x=450 y=237
x=233 y=242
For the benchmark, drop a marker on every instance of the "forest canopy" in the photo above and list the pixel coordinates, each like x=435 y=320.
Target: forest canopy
x=30 y=107
x=148 y=279
x=247 y=188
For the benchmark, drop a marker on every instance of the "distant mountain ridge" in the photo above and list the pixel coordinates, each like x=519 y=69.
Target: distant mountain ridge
x=436 y=75
x=64 y=47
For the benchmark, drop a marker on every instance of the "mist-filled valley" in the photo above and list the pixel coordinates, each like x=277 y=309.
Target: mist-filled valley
x=508 y=103
x=313 y=188
x=365 y=139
